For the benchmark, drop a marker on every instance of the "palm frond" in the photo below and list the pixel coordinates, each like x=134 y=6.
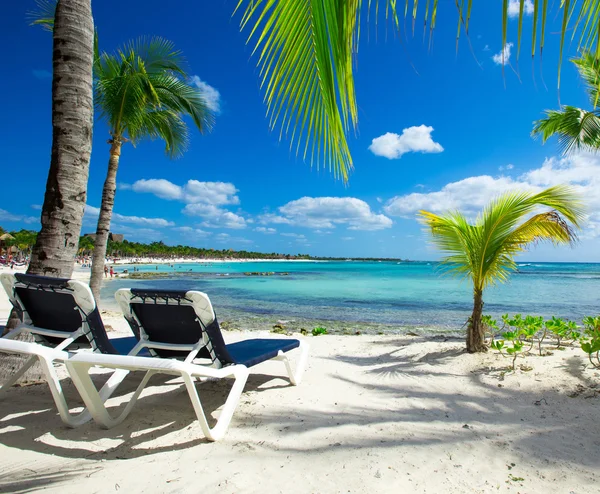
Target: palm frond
x=588 y=67
x=142 y=91
x=304 y=51
x=575 y=128
x=43 y=15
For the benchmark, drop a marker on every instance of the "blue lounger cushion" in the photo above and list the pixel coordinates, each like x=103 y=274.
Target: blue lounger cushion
x=254 y=351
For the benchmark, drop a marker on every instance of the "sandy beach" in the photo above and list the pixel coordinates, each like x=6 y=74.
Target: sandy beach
x=380 y=413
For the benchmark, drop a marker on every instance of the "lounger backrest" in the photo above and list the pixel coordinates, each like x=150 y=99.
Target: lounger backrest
x=174 y=317
x=57 y=304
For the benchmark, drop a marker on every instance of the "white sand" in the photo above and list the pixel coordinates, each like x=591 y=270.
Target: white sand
x=374 y=413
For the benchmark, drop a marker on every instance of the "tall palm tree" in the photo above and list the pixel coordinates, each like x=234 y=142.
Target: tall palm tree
x=576 y=128
x=72 y=119
x=483 y=251
x=142 y=92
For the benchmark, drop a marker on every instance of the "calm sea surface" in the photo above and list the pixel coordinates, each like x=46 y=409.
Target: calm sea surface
x=350 y=296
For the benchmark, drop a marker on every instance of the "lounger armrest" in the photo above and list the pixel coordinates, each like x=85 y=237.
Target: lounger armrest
x=26 y=347
x=154 y=364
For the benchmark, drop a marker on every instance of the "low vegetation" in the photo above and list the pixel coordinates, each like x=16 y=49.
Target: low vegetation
x=518 y=336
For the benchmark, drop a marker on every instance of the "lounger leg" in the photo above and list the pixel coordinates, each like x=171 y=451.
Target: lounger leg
x=94 y=399
x=296 y=377
x=240 y=375
x=17 y=375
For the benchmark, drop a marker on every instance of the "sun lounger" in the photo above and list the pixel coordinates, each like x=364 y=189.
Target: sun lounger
x=181 y=324
x=60 y=314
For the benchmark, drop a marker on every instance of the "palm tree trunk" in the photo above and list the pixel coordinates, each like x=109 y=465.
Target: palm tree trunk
x=106 y=209
x=72 y=117
x=475 y=330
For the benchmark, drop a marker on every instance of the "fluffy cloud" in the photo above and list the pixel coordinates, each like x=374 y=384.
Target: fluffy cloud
x=470 y=195
x=413 y=139
x=92 y=212
x=215 y=217
x=503 y=57
x=514 y=7
x=211 y=96
x=188 y=231
x=202 y=199
x=268 y=231
x=16 y=218
x=327 y=212
x=216 y=193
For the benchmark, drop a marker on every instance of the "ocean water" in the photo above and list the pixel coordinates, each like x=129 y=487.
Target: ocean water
x=350 y=296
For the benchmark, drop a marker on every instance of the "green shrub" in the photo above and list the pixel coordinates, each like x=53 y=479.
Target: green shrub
x=590 y=341
x=318 y=331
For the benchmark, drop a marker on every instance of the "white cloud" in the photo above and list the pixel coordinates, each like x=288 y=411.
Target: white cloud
x=294 y=235
x=37 y=207
x=503 y=57
x=188 y=231
x=327 y=212
x=16 y=218
x=470 y=195
x=215 y=217
x=413 y=139
x=211 y=96
x=514 y=7
x=93 y=213
x=217 y=193
x=486 y=48
x=202 y=199
x=346 y=239
x=262 y=229
x=507 y=167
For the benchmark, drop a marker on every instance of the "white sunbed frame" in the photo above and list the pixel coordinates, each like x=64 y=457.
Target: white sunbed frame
x=48 y=356
x=79 y=366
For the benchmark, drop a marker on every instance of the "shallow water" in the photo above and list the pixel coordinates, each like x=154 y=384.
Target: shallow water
x=371 y=296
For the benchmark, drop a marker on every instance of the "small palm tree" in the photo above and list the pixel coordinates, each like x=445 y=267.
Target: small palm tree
x=576 y=128
x=484 y=251
x=142 y=92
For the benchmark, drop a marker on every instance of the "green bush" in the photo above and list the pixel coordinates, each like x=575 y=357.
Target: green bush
x=318 y=331
x=518 y=334
x=590 y=340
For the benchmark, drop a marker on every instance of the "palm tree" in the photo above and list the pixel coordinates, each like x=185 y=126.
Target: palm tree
x=576 y=128
x=72 y=119
x=484 y=251
x=142 y=92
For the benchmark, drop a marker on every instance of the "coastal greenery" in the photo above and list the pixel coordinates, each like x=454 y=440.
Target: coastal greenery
x=319 y=331
x=23 y=240
x=483 y=251
x=576 y=128
x=518 y=335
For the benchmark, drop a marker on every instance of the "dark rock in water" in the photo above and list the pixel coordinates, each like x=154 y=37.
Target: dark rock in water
x=411 y=333
x=278 y=326
x=138 y=275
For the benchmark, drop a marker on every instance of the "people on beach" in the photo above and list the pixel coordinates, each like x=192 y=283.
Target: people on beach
x=112 y=272
x=105 y=271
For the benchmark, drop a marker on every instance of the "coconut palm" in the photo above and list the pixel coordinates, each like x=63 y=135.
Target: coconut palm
x=72 y=119
x=142 y=92
x=576 y=128
x=483 y=251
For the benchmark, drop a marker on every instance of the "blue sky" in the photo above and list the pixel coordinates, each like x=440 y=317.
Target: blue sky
x=438 y=129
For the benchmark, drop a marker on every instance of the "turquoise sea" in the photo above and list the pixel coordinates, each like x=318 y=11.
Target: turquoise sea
x=350 y=296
